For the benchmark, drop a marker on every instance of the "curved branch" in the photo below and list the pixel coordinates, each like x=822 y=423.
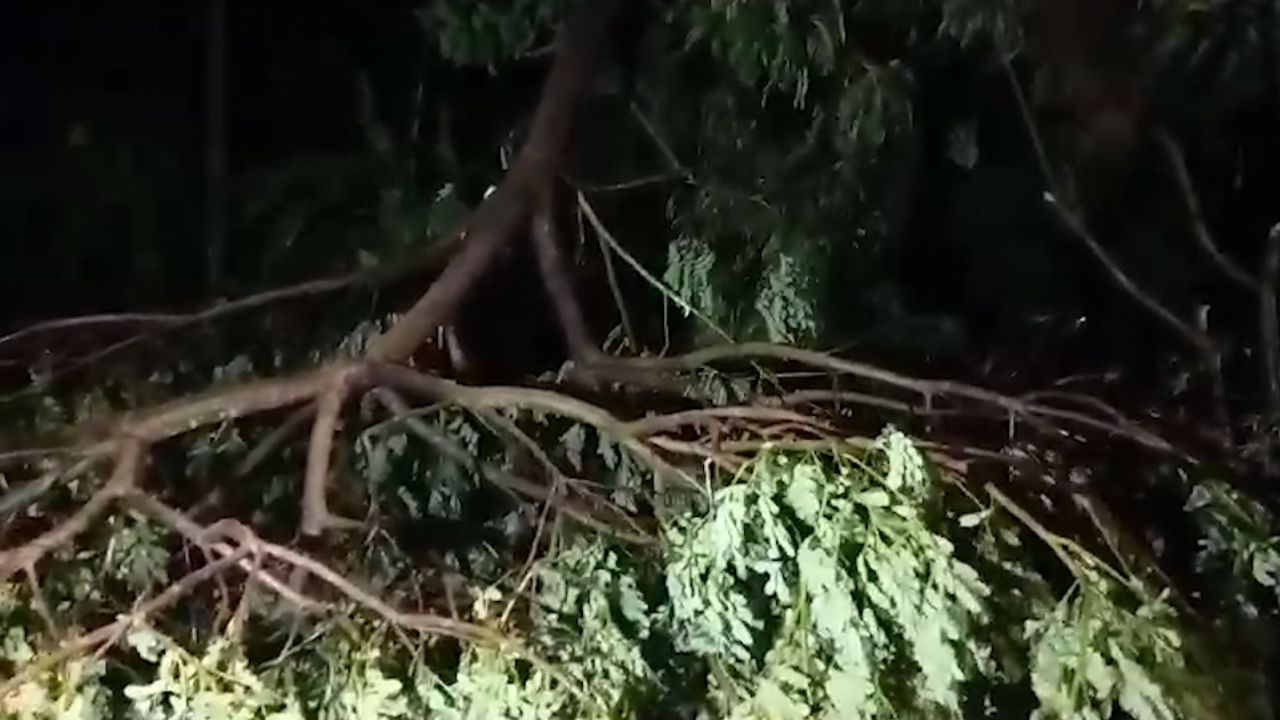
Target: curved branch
x=1197 y=338
x=926 y=388
x=124 y=478
x=315 y=512
x=1200 y=228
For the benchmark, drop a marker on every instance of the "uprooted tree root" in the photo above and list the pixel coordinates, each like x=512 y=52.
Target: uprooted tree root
x=672 y=446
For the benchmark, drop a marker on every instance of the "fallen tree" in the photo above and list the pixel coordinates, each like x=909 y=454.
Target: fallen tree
x=747 y=543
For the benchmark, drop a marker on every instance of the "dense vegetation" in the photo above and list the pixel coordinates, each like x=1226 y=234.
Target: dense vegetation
x=705 y=359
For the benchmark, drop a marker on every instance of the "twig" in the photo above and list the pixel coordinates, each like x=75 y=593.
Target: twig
x=39 y=603
x=663 y=147
x=603 y=233
x=611 y=275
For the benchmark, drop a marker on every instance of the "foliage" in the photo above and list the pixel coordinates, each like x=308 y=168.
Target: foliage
x=856 y=590
x=1091 y=654
x=827 y=172
x=1237 y=539
x=813 y=585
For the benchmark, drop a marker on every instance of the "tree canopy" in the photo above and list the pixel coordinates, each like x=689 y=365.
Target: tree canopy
x=635 y=359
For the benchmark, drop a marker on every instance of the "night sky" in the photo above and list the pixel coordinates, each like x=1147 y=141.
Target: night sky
x=102 y=73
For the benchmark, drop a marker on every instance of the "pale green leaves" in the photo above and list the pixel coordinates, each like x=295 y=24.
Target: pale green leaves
x=817 y=582
x=1092 y=655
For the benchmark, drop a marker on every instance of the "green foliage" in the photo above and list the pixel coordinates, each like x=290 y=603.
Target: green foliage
x=1094 y=653
x=824 y=590
x=814 y=585
x=1238 y=539
x=486 y=34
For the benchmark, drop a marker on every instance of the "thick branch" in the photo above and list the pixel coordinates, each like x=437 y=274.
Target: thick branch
x=315 y=513
x=578 y=53
x=555 y=276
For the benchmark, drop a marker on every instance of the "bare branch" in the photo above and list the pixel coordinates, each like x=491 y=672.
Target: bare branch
x=124 y=477
x=1197 y=338
x=662 y=423
x=200 y=536
x=555 y=277
x=925 y=388
x=1269 y=335
x=1200 y=228
x=315 y=513
x=578 y=49
x=424 y=622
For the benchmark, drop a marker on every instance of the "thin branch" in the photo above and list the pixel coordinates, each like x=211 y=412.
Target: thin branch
x=274 y=440
x=806 y=397
x=1269 y=334
x=424 y=622
x=199 y=535
x=111 y=631
x=611 y=274
x=83 y=321
x=631 y=184
x=124 y=477
x=925 y=388
x=1200 y=228
x=30 y=491
x=603 y=233
x=663 y=423
x=434 y=388
x=663 y=146
x=1198 y=339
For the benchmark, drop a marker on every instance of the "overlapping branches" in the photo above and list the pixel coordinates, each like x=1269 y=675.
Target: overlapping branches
x=521 y=206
